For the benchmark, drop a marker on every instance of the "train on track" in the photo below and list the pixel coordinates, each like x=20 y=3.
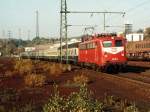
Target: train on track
x=101 y=51
x=138 y=50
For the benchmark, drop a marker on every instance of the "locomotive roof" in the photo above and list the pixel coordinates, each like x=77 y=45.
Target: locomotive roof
x=100 y=37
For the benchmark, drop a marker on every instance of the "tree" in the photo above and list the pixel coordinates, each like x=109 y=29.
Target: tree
x=140 y=31
x=147 y=33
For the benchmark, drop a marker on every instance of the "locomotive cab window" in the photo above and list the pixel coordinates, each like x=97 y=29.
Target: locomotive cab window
x=118 y=43
x=82 y=46
x=107 y=43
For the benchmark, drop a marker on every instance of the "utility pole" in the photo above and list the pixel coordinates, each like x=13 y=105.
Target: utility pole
x=104 y=21
x=3 y=34
x=9 y=34
x=7 y=41
x=63 y=28
x=29 y=34
x=19 y=45
x=37 y=24
x=37 y=29
x=19 y=36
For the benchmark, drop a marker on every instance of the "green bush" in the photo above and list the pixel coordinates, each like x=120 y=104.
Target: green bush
x=56 y=103
x=83 y=102
x=77 y=102
x=131 y=108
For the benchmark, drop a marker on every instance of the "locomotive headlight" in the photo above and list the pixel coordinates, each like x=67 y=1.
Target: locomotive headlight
x=105 y=54
x=112 y=37
x=122 y=54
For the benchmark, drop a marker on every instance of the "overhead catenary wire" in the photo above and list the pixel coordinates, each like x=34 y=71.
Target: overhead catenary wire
x=139 y=5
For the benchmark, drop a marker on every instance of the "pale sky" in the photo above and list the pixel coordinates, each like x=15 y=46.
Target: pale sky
x=15 y=14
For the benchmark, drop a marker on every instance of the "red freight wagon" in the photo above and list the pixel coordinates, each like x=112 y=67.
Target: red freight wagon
x=103 y=51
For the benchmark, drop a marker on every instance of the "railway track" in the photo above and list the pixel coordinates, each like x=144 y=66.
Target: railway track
x=135 y=76
x=132 y=81
x=129 y=77
x=129 y=80
x=140 y=87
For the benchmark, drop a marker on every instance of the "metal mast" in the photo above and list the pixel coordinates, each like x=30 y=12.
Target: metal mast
x=37 y=24
x=63 y=28
x=37 y=29
x=19 y=36
x=29 y=34
x=3 y=34
x=9 y=34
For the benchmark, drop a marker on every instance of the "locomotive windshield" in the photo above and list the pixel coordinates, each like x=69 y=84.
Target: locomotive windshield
x=118 y=43
x=107 y=43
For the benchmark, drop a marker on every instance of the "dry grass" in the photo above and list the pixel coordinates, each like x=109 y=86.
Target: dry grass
x=81 y=79
x=55 y=69
x=34 y=80
x=11 y=73
x=24 y=66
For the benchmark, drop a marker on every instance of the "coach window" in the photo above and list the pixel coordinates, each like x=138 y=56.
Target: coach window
x=90 y=45
x=87 y=45
x=93 y=45
x=107 y=43
x=118 y=43
x=82 y=46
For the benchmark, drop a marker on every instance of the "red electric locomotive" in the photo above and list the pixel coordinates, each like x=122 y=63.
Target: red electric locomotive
x=104 y=51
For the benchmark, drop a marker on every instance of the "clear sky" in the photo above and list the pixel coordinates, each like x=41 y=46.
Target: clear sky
x=15 y=14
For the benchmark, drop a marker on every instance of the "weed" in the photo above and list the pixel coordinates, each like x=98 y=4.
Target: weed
x=11 y=73
x=81 y=79
x=2 y=108
x=76 y=102
x=83 y=102
x=25 y=108
x=8 y=95
x=56 y=103
x=55 y=69
x=24 y=66
x=118 y=104
x=35 y=80
x=131 y=108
